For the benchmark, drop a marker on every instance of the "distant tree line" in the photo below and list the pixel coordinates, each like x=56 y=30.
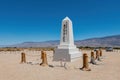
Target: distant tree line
x=30 y=48
x=48 y=48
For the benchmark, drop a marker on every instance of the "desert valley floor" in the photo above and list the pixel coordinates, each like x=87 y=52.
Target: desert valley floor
x=11 y=69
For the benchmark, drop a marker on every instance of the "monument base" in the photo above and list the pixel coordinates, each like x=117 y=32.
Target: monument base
x=67 y=55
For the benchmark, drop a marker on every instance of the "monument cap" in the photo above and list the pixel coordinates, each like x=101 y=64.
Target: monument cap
x=66 y=18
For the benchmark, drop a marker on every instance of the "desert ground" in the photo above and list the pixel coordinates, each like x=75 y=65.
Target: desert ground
x=11 y=68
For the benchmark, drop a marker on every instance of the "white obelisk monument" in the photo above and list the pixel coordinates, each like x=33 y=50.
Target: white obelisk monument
x=66 y=51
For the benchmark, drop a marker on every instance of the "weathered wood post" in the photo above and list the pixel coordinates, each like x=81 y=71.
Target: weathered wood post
x=85 y=63
x=44 y=59
x=100 y=52
x=23 y=58
x=42 y=53
x=98 y=55
x=92 y=58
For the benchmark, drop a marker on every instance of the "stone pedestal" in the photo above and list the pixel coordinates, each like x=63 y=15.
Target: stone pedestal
x=66 y=51
x=68 y=55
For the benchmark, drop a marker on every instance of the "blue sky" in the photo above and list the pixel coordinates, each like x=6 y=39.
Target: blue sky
x=40 y=20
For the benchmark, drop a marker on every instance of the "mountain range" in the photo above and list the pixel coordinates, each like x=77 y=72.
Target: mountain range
x=108 y=41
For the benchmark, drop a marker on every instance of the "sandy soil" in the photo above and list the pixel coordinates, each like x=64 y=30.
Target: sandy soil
x=11 y=69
